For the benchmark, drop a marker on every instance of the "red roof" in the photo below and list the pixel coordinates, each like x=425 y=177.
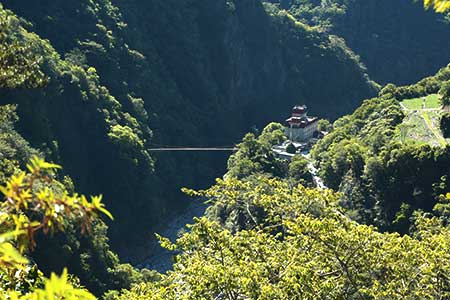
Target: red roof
x=301 y=122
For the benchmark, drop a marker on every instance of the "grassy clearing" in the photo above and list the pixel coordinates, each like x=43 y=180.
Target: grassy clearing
x=414 y=129
x=422 y=126
x=429 y=120
x=431 y=102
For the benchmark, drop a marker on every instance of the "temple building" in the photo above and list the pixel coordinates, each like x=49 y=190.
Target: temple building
x=300 y=127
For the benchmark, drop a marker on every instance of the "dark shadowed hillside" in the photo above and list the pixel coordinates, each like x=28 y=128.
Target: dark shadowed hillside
x=397 y=40
x=350 y=202
x=127 y=75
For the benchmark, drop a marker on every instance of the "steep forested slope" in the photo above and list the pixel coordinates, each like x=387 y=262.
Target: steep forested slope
x=88 y=256
x=126 y=75
x=265 y=237
x=383 y=175
x=94 y=85
x=397 y=40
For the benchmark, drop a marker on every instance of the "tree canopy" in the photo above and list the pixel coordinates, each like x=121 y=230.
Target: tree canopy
x=30 y=205
x=98 y=83
x=438 y=5
x=305 y=247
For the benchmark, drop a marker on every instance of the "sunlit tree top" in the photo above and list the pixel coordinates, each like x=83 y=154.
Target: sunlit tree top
x=438 y=5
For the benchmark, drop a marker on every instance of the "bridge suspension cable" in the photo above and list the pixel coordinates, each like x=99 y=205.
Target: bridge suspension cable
x=162 y=149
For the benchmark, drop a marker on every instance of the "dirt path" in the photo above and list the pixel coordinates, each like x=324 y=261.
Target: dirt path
x=421 y=109
x=430 y=126
x=404 y=107
x=426 y=118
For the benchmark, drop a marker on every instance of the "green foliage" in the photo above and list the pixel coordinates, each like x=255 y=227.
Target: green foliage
x=254 y=158
x=299 y=172
x=438 y=5
x=324 y=125
x=273 y=134
x=382 y=175
x=109 y=66
x=30 y=206
x=444 y=93
x=442 y=208
x=398 y=42
x=96 y=126
x=116 y=88
x=54 y=288
x=117 y=80
x=22 y=57
x=445 y=124
x=305 y=248
x=51 y=209
x=345 y=156
x=14 y=149
x=425 y=88
x=87 y=256
x=402 y=220
x=255 y=154
x=19 y=64
x=130 y=145
x=430 y=101
x=290 y=148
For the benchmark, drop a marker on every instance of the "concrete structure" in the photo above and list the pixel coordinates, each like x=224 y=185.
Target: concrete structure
x=300 y=127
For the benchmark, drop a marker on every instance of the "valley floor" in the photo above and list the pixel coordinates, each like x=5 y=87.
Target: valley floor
x=161 y=259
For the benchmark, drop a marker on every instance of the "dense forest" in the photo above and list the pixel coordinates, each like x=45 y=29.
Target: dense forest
x=384 y=174
x=93 y=86
x=392 y=38
x=119 y=88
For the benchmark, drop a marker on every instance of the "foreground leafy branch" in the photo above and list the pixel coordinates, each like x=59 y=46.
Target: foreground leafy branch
x=438 y=5
x=31 y=204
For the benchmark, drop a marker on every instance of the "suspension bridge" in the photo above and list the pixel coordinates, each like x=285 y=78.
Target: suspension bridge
x=168 y=149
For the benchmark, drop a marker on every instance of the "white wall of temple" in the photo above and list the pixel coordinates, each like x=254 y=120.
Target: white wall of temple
x=301 y=134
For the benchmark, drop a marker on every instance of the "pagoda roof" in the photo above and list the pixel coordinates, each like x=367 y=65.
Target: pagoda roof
x=301 y=122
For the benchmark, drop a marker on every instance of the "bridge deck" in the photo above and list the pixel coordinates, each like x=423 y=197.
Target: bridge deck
x=193 y=149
